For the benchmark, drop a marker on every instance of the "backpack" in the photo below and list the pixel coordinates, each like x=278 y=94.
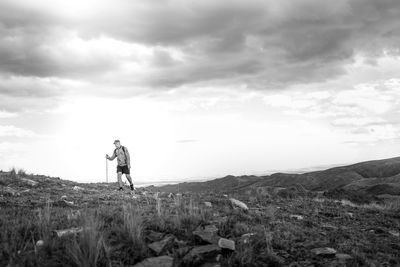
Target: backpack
x=123 y=149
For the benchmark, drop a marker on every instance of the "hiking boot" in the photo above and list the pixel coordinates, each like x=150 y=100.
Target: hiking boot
x=132 y=187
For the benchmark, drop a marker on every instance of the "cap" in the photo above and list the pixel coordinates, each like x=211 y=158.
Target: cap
x=116 y=141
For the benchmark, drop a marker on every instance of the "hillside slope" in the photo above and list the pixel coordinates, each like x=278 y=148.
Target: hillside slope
x=363 y=175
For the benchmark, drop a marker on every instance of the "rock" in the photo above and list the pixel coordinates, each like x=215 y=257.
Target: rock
x=10 y=191
x=324 y=252
x=225 y=195
x=30 y=182
x=394 y=233
x=160 y=246
x=71 y=231
x=170 y=195
x=343 y=257
x=69 y=203
x=239 y=204
x=39 y=243
x=208 y=204
x=226 y=243
x=200 y=254
x=297 y=217
x=161 y=261
x=207 y=233
x=77 y=188
x=328 y=226
x=64 y=197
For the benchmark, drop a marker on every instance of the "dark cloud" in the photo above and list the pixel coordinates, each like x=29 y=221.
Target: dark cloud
x=266 y=44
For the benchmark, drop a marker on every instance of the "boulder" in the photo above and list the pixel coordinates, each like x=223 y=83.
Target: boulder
x=208 y=204
x=206 y=233
x=39 y=243
x=238 y=203
x=29 y=181
x=160 y=246
x=10 y=191
x=66 y=232
x=324 y=252
x=297 y=217
x=161 y=261
x=226 y=244
x=77 y=188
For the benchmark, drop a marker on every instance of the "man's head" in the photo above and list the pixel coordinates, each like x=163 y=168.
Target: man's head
x=117 y=143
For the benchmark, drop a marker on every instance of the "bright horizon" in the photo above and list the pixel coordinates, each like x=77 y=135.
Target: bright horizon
x=197 y=90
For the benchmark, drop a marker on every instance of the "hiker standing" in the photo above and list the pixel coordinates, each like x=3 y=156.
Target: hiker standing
x=124 y=163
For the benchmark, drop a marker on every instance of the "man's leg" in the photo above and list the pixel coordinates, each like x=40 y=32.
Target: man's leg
x=120 y=180
x=128 y=176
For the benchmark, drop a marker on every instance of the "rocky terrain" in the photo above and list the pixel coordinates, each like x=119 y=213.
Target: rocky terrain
x=47 y=221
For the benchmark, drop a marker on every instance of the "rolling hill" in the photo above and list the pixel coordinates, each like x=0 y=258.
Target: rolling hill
x=371 y=177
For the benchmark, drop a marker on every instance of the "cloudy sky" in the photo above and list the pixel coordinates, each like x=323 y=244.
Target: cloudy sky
x=197 y=89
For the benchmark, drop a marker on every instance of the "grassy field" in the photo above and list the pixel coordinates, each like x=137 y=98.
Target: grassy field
x=111 y=228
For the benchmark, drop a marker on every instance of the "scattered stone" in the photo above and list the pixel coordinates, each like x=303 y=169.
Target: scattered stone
x=207 y=233
x=200 y=254
x=324 y=252
x=25 y=191
x=171 y=195
x=66 y=232
x=328 y=226
x=70 y=203
x=161 y=261
x=77 y=188
x=10 y=191
x=39 y=243
x=225 y=195
x=226 y=243
x=297 y=217
x=208 y=204
x=64 y=197
x=160 y=246
x=239 y=204
x=30 y=182
x=350 y=214
x=394 y=233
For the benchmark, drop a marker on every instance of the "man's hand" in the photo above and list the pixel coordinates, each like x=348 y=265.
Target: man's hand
x=107 y=156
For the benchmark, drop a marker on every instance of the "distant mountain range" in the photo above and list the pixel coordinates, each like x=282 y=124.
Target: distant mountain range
x=372 y=177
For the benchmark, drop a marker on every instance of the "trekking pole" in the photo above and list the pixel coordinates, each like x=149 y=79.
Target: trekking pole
x=106 y=171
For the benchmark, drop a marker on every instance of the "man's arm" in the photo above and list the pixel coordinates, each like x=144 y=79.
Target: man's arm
x=128 y=158
x=114 y=155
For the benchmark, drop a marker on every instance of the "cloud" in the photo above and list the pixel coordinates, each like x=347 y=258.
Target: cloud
x=265 y=44
x=12 y=131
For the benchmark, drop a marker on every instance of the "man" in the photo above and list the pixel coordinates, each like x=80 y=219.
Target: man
x=124 y=163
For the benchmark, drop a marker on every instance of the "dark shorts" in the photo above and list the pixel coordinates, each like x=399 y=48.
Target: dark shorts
x=123 y=169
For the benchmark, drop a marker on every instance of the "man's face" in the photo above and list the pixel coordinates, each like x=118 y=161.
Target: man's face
x=117 y=144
